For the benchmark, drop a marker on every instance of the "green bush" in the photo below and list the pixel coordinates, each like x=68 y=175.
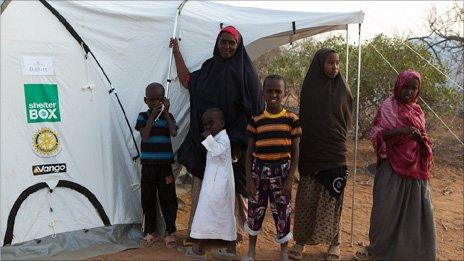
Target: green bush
x=377 y=76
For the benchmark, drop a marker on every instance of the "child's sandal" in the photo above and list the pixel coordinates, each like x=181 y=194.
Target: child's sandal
x=296 y=252
x=188 y=242
x=221 y=253
x=333 y=253
x=362 y=255
x=191 y=253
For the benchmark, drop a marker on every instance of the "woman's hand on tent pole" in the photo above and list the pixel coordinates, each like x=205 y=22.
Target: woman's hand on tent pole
x=182 y=71
x=174 y=44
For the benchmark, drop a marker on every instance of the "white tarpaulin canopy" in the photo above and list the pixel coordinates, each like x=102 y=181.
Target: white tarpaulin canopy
x=66 y=148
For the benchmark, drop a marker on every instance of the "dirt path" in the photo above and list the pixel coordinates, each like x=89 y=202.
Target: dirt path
x=447 y=195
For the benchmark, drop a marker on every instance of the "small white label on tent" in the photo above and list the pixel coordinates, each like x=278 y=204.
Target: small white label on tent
x=38 y=65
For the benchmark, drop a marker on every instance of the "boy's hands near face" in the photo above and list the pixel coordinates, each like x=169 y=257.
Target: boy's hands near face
x=205 y=134
x=156 y=110
x=154 y=113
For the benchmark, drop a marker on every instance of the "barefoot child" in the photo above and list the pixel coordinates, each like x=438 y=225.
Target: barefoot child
x=271 y=161
x=214 y=217
x=156 y=127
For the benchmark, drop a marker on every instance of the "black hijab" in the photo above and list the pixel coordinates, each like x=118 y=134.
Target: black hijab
x=325 y=113
x=229 y=84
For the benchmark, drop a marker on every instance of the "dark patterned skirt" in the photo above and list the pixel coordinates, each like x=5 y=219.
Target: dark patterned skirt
x=318 y=211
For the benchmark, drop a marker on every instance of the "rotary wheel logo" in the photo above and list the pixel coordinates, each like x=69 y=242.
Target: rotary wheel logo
x=46 y=142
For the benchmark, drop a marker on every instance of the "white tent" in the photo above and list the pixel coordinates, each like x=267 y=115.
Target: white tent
x=66 y=147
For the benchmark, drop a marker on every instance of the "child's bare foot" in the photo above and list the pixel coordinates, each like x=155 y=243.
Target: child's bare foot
x=284 y=252
x=170 y=241
x=248 y=258
x=148 y=240
x=283 y=256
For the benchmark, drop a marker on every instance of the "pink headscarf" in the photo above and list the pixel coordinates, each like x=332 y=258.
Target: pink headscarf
x=407 y=157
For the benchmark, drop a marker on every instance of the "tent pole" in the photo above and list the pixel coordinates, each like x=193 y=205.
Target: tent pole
x=356 y=132
x=179 y=9
x=347 y=53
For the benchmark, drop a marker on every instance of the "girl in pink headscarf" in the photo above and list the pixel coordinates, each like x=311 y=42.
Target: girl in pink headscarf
x=402 y=223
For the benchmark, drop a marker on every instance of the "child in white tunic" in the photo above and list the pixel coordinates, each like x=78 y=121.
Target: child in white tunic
x=214 y=217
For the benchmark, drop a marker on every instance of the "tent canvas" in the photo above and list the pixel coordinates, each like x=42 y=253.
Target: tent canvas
x=66 y=150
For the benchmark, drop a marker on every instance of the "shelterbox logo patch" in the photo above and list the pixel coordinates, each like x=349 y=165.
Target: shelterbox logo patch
x=42 y=104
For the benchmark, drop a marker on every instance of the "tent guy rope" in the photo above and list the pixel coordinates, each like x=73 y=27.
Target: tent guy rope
x=418 y=54
x=428 y=106
x=447 y=77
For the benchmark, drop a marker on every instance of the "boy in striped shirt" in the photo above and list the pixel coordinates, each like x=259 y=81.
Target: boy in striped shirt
x=156 y=127
x=271 y=161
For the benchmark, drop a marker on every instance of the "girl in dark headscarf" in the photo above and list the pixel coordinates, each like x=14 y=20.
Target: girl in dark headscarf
x=325 y=115
x=228 y=81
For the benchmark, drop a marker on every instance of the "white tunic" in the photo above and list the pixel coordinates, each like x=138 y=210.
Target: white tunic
x=214 y=217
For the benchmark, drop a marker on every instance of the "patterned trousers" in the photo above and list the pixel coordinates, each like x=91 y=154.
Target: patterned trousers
x=269 y=179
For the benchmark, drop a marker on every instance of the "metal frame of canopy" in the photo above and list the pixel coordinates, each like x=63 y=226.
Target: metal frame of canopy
x=358 y=84
x=5 y=3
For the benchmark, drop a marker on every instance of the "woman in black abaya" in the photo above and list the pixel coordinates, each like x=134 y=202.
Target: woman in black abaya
x=229 y=81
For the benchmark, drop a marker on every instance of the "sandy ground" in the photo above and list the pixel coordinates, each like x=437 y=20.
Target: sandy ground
x=447 y=195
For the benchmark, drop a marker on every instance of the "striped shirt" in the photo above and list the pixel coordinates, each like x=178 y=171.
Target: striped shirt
x=158 y=148
x=273 y=135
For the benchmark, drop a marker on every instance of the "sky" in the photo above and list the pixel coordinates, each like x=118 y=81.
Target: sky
x=393 y=18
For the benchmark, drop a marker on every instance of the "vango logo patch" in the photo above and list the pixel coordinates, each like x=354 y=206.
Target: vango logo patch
x=48 y=169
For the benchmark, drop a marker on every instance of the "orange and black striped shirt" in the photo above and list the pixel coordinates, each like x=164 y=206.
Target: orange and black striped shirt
x=273 y=135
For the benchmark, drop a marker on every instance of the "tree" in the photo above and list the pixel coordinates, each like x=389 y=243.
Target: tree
x=445 y=38
x=377 y=77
